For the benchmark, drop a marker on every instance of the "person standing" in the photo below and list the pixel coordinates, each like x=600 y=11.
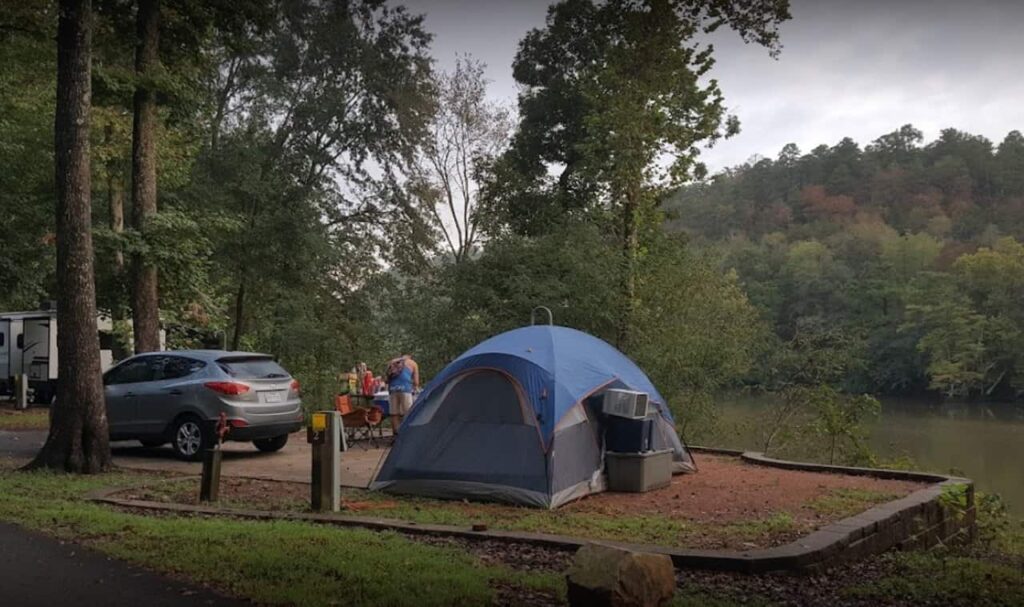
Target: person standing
x=403 y=376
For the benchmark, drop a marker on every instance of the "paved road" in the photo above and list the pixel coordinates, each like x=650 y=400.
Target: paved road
x=358 y=464
x=21 y=444
x=38 y=571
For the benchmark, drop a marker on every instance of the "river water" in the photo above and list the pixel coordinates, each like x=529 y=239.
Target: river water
x=983 y=441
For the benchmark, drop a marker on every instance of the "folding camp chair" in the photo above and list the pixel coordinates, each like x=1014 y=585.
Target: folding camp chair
x=360 y=423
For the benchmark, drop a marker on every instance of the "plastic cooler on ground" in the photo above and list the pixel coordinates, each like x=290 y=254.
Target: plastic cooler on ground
x=639 y=472
x=380 y=399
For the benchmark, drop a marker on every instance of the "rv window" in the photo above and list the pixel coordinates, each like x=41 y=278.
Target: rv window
x=2 y=338
x=20 y=342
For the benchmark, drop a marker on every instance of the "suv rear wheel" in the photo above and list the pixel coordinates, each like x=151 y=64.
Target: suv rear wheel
x=190 y=437
x=269 y=445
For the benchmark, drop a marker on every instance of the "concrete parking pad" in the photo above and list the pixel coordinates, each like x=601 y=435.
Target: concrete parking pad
x=293 y=463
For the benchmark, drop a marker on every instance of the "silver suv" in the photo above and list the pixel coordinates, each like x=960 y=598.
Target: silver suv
x=177 y=397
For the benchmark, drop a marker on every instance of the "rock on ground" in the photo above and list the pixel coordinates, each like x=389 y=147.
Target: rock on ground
x=607 y=576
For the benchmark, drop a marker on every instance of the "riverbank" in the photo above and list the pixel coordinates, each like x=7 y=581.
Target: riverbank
x=982 y=441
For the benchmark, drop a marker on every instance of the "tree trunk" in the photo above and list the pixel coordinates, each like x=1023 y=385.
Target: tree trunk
x=630 y=240
x=236 y=339
x=115 y=192
x=145 y=300
x=78 y=439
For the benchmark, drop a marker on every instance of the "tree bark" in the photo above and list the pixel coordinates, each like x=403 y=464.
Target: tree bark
x=630 y=243
x=115 y=202
x=78 y=439
x=115 y=191
x=236 y=338
x=145 y=297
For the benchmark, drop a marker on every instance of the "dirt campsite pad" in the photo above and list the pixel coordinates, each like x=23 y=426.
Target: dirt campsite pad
x=729 y=504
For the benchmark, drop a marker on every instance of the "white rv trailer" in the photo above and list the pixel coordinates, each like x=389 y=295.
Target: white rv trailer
x=28 y=344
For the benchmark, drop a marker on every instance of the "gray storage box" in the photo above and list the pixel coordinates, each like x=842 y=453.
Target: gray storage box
x=639 y=472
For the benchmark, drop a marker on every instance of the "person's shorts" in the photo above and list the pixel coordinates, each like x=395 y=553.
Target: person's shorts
x=400 y=403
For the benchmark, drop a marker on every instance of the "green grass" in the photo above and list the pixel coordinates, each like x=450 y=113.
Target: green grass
x=644 y=529
x=187 y=492
x=989 y=572
x=929 y=578
x=1010 y=540
x=30 y=419
x=649 y=529
x=843 y=502
x=272 y=562
x=761 y=530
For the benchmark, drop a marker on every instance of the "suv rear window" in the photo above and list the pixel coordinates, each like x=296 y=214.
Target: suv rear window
x=252 y=368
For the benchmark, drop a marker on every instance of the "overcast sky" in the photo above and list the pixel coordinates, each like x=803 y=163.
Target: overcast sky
x=856 y=68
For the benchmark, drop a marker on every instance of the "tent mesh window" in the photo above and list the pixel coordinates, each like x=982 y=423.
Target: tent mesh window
x=483 y=396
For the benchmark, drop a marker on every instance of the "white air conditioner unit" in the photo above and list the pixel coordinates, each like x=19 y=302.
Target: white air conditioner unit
x=625 y=403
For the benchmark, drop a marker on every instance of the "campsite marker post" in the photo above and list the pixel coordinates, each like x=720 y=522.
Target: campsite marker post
x=324 y=434
x=209 y=483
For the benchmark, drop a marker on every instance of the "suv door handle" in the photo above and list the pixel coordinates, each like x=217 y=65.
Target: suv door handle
x=129 y=395
x=175 y=392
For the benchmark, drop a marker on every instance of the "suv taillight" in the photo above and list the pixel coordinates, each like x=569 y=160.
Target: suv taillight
x=295 y=386
x=227 y=387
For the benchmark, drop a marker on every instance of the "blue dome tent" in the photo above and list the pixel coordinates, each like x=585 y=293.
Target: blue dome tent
x=514 y=419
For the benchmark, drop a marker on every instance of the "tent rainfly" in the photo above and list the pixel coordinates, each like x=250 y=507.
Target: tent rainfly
x=515 y=419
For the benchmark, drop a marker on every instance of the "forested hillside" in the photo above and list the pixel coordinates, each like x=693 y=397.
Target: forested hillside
x=905 y=257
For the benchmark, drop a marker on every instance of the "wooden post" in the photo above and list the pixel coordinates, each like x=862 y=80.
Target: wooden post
x=209 y=487
x=324 y=436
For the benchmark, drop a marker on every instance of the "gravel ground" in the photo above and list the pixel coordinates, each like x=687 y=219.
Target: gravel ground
x=728 y=504
x=726 y=489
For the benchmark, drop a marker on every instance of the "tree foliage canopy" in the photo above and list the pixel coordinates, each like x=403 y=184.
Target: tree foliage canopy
x=911 y=249
x=328 y=196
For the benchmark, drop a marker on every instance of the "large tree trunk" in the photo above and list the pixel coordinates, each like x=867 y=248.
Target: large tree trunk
x=630 y=243
x=115 y=202
x=115 y=192
x=78 y=440
x=145 y=299
x=236 y=339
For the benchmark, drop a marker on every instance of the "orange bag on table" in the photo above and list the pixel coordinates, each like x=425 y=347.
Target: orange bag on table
x=343 y=403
